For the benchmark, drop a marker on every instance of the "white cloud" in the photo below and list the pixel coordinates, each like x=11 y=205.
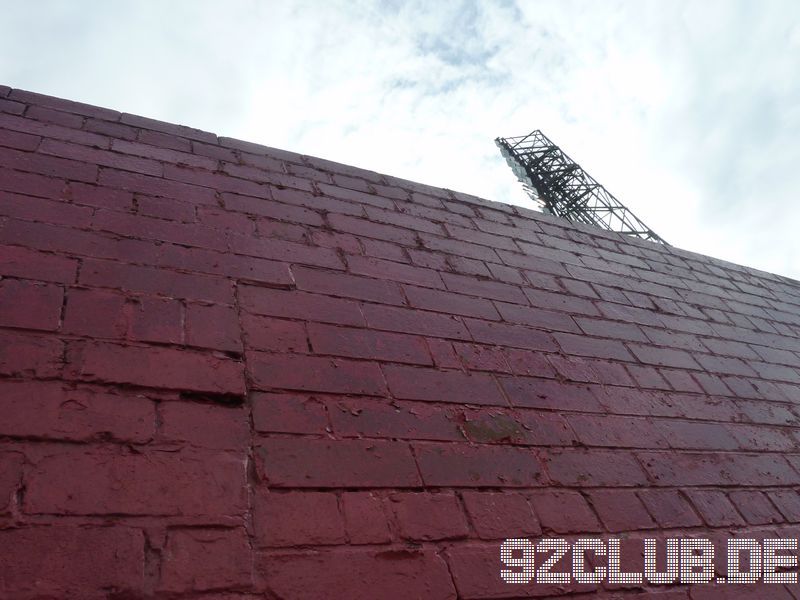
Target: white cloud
x=687 y=111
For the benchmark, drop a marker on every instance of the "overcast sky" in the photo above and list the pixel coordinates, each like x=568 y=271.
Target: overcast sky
x=688 y=112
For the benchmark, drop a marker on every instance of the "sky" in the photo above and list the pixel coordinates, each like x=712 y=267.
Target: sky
x=687 y=111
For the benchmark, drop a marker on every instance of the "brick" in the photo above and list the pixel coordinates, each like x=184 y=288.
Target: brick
x=515 y=336
x=349 y=286
x=620 y=510
x=169 y=283
x=367 y=417
x=361 y=198
x=394 y=271
x=222 y=220
x=450 y=303
x=731 y=366
x=285 y=519
x=589 y=370
x=664 y=357
x=30 y=305
x=563 y=511
x=424 y=516
x=537 y=317
x=391 y=318
x=532 y=392
x=204 y=425
x=403 y=220
x=11 y=107
x=161 y=208
x=244 y=268
x=311 y=373
x=593 y=347
x=483 y=289
x=629 y=314
x=97 y=156
x=107 y=128
x=168 y=128
x=100 y=197
x=63 y=105
x=163 y=154
x=28 y=355
x=611 y=329
x=622 y=401
x=700 y=436
x=96 y=313
x=390 y=574
x=431 y=385
x=482 y=358
x=771 y=439
x=19 y=140
x=71 y=561
x=527 y=362
x=361 y=227
x=496 y=516
x=66 y=480
x=283 y=250
x=54 y=116
x=462 y=248
x=365 y=520
x=30 y=183
x=156 y=320
x=49 y=166
x=616 y=432
x=788 y=503
x=29 y=264
x=669 y=508
x=340 y=241
x=708 y=469
x=528 y=428
x=729 y=348
x=154 y=367
x=766 y=412
x=30 y=208
x=273 y=210
x=648 y=377
x=443 y=353
x=196 y=560
x=720 y=592
x=155 y=186
x=288 y=413
x=49 y=410
x=479 y=237
x=50 y=130
x=570 y=304
x=545 y=429
x=213 y=326
x=320 y=463
x=681 y=381
x=263 y=333
x=460 y=465
x=474 y=567
x=311 y=201
x=298 y=305
x=267 y=228
x=594 y=468
x=10 y=480
x=365 y=343
x=755 y=507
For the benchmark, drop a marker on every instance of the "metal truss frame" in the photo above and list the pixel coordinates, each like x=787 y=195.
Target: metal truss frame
x=562 y=188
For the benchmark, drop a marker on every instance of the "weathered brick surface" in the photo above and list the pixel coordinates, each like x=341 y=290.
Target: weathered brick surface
x=231 y=371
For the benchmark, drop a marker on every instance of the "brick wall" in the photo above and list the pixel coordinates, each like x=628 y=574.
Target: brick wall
x=230 y=371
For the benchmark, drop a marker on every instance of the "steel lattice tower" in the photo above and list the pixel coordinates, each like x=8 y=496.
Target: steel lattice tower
x=559 y=185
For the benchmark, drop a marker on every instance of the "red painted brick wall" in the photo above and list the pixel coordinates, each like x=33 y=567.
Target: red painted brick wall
x=229 y=371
